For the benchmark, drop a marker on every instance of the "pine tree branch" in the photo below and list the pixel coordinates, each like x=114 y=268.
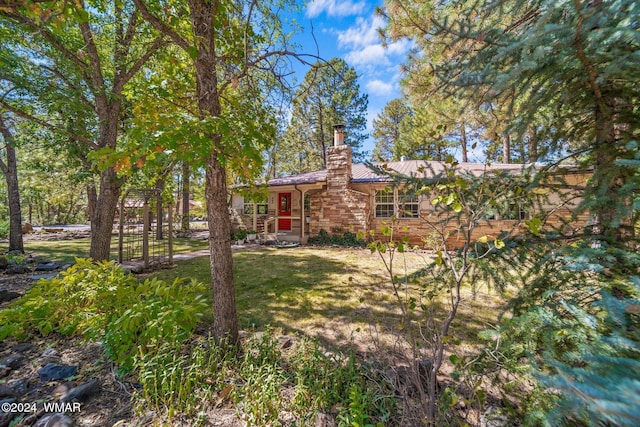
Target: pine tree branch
x=589 y=66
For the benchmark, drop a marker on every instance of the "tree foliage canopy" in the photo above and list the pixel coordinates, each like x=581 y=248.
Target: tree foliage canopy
x=329 y=95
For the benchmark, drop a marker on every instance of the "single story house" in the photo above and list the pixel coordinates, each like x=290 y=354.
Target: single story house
x=352 y=197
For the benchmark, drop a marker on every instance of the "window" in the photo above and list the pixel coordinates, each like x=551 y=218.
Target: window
x=507 y=211
x=384 y=203
x=408 y=204
x=402 y=203
x=261 y=207
x=515 y=211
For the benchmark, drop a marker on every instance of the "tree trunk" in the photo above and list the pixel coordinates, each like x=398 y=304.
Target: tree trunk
x=10 y=172
x=225 y=323
x=186 y=190
x=102 y=221
x=463 y=141
x=92 y=201
x=506 y=148
x=15 y=212
x=323 y=145
x=607 y=176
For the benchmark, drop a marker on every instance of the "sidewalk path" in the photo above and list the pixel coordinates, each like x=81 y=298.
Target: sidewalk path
x=137 y=265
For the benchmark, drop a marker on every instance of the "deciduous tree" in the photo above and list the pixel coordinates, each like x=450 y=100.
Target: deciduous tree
x=9 y=168
x=233 y=45
x=72 y=61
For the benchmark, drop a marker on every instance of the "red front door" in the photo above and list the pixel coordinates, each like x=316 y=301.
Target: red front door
x=284 y=209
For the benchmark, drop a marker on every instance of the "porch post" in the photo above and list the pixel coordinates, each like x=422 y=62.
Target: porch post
x=302 y=215
x=255 y=216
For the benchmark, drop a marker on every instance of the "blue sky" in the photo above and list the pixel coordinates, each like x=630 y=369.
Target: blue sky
x=348 y=29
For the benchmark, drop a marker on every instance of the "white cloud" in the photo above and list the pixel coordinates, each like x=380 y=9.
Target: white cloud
x=363 y=33
x=370 y=55
x=365 y=47
x=379 y=88
x=334 y=8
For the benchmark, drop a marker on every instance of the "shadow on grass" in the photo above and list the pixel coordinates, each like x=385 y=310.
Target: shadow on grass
x=333 y=299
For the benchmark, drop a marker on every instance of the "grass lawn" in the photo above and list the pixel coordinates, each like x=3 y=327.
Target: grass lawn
x=340 y=295
x=68 y=250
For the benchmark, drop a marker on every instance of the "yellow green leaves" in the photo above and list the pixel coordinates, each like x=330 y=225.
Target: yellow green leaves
x=534 y=225
x=497 y=243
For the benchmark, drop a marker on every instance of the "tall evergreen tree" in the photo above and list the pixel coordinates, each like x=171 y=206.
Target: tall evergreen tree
x=329 y=95
x=387 y=130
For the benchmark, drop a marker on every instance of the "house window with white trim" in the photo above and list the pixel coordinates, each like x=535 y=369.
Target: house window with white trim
x=398 y=202
x=507 y=211
x=384 y=203
x=408 y=204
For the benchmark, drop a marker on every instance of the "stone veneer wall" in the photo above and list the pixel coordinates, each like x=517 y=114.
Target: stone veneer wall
x=339 y=206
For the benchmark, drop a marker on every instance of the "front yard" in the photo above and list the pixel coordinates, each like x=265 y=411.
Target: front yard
x=341 y=298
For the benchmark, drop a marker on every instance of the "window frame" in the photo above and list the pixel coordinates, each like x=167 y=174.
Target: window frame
x=395 y=203
x=247 y=208
x=390 y=207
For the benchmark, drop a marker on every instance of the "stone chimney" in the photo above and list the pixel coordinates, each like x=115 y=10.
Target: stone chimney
x=339 y=160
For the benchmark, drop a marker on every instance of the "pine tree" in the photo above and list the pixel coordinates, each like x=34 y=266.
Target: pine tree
x=329 y=95
x=387 y=130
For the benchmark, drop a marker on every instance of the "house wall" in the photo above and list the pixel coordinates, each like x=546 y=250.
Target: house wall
x=559 y=208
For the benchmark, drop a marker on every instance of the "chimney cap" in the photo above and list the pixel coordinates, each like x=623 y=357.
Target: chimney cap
x=339 y=126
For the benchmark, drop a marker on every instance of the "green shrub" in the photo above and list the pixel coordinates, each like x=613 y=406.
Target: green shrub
x=103 y=302
x=338 y=238
x=325 y=381
x=178 y=381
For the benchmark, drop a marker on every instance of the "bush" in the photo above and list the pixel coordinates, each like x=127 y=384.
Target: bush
x=103 y=302
x=340 y=238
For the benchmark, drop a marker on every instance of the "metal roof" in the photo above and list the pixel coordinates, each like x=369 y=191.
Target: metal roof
x=303 y=178
x=362 y=173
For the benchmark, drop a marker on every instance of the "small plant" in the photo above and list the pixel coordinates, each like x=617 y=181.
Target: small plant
x=239 y=235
